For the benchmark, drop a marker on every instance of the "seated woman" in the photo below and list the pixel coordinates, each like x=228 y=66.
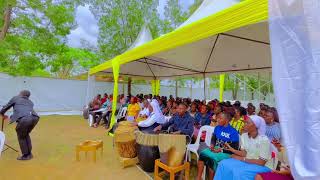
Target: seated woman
x=202 y=118
x=95 y=105
x=223 y=133
x=237 y=121
x=253 y=158
x=217 y=111
x=283 y=170
x=144 y=113
x=133 y=109
x=155 y=119
x=273 y=131
x=166 y=110
x=251 y=109
x=105 y=114
x=193 y=110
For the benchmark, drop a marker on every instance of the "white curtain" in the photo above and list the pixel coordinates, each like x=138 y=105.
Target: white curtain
x=295 y=45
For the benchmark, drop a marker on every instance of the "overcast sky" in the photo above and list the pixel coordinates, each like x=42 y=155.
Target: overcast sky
x=87 y=25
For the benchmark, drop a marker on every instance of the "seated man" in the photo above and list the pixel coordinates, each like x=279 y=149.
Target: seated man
x=180 y=123
x=223 y=133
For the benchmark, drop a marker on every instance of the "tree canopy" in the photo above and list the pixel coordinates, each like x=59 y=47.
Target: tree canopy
x=33 y=33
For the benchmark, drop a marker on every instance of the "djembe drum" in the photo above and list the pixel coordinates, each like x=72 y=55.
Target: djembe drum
x=125 y=140
x=148 y=151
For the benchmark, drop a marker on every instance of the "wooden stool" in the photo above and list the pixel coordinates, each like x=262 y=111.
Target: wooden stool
x=89 y=146
x=171 y=170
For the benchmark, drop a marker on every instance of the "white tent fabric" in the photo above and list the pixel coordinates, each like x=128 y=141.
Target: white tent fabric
x=144 y=36
x=241 y=50
x=138 y=68
x=295 y=37
x=207 y=8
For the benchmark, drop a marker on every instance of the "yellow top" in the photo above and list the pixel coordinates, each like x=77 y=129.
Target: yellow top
x=133 y=109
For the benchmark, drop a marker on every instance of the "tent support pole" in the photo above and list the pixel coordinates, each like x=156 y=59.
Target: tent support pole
x=204 y=86
x=221 y=84
x=176 y=88
x=191 y=86
x=259 y=87
x=116 y=69
x=129 y=85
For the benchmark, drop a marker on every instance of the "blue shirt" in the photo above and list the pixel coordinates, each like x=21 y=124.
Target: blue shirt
x=181 y=123
x=107 y=104
x=202 y=120
x=273 y=131
x=222 y=135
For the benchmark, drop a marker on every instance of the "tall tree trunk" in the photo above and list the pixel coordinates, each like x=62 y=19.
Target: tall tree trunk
x=6 y=18
x=129 y=85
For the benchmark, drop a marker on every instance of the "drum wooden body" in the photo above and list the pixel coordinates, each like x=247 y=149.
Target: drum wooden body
x=125 y=139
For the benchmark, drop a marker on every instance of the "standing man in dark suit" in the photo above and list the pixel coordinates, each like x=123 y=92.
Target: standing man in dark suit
x=26 y=119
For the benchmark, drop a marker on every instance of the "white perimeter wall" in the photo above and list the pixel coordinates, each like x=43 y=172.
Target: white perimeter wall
x=56 y=95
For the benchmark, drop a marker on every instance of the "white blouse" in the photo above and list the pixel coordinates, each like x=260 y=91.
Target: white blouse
x=153 y=118
x=256 y=148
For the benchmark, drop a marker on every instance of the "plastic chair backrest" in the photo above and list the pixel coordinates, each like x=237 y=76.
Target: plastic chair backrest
x=123 y=112
x=209 y=130
x=274 y=155
x=2 y=139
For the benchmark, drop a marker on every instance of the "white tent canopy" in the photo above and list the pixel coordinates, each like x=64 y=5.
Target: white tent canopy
x=240 y=50
x=207 y=8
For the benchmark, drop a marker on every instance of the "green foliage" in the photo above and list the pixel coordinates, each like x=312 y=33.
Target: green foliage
x=36 y=39
x=37 y=36
x=174 y=14
x=194 y=6
x=120 y=22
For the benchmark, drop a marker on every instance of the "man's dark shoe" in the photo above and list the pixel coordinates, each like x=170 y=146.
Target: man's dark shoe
x=30 y=156
x=23 y=158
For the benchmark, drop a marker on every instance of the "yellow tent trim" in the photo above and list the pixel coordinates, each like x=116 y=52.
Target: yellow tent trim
x=242 y=14
x=222 y=77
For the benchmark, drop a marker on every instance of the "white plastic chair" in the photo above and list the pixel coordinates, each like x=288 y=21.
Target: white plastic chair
x=90 y=120
x=122 y=113
x=2 y=140
x=194 y=147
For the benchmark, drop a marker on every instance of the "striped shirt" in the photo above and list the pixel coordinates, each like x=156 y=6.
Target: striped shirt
x=273 y=131
x=237 y=124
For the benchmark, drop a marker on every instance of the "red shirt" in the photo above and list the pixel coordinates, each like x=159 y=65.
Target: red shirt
x=103 y=100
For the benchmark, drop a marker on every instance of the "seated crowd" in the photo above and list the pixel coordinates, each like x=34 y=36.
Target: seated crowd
x=242 y=139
